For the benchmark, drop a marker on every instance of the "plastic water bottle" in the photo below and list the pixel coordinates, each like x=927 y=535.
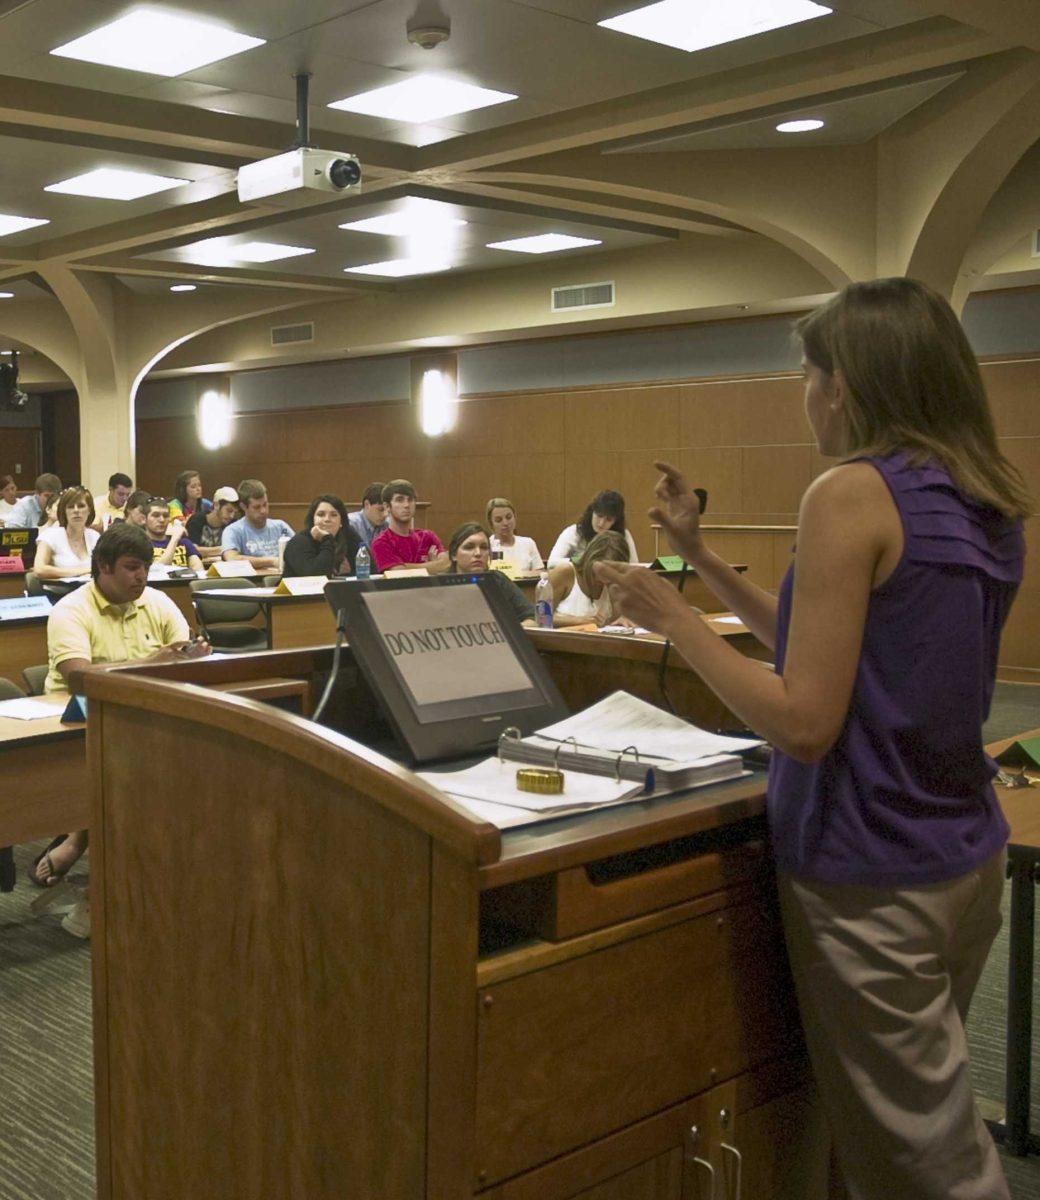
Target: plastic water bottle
x=283 y=541
x=543 y=603
x=363 y=564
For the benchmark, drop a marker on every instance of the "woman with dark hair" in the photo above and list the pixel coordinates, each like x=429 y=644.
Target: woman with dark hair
x=579 y=597
x=187 y=497
x=888 y=839
x=65 y=547
x=8 y=495
x=469 y=550
x=327 y=544
x=605 y=511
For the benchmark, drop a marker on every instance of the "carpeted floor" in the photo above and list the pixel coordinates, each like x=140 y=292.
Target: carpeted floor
x=46 y=1116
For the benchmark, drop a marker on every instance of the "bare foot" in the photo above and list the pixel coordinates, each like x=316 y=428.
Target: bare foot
x=56 y=863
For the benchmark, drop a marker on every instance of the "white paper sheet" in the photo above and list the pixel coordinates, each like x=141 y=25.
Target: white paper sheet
x=28 y=709
x=621 y=720
x=494 y=782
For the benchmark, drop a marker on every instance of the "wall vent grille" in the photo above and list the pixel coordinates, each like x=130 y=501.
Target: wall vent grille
x=582 y=295
x=292 y=335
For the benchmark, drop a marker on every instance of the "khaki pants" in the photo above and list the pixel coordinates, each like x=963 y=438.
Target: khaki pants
x=884 y=979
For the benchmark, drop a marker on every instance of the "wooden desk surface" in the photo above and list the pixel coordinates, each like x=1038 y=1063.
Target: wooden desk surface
x=11 y=585
x=1021 y=805
x=44 y=789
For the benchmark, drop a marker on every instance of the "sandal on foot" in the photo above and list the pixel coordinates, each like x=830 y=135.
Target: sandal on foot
x=53 y=876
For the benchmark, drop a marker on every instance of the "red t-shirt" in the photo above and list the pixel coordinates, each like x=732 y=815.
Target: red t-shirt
x=391 y=549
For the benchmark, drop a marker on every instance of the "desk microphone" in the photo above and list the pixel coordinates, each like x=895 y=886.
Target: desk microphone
x=341 y=633
x=702 y=500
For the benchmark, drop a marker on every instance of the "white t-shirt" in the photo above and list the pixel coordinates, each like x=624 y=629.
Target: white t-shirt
x=5 y=508
x=568 y=542
x=62 y=554
x=523 y=553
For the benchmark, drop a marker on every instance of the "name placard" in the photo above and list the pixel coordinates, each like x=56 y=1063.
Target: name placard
x=16 y=608
x=11 y=564
x=302 y=585
x=236 y=568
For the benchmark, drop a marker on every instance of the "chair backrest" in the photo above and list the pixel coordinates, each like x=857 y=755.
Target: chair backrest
x=271 y=580
x=222 y=612
x=33 y=584
x=9 y=690
x=36 y=679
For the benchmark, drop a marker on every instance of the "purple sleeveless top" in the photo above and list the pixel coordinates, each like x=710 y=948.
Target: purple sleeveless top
x=904 y=796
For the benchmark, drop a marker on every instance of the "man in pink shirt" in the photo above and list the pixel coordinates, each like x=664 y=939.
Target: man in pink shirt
x=401 y=545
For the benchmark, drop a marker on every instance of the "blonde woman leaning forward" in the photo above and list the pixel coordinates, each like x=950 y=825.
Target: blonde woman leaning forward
x=889 y=842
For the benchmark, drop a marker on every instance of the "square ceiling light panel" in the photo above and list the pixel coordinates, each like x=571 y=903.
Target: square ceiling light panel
x=157 y=43
x=10 y=224
x=689 y=26
x=417 y=216
x=421 y=99
x=398 y=267
x=221 y=252
x=113 y=183
x=544 y=243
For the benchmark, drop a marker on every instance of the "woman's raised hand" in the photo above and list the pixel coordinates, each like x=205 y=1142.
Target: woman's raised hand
x=678 y=513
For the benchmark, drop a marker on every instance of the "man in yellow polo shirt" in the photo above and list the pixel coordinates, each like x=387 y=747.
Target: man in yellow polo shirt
x=114 y=618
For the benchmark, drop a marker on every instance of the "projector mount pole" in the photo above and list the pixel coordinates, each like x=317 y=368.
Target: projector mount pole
x=303 y=123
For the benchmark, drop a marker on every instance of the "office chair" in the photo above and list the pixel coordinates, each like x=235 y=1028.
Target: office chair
x=224 y=624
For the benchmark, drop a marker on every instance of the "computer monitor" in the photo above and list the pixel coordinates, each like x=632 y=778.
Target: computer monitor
x=447 y=660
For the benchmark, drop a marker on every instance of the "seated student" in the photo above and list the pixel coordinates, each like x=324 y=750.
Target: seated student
x=187 y=497
x=327 y=544
x=606 y=510
x=8 y=496
x=401 y=544
x=371 y=519
x=31 y=510
x=170 y=544
x=91 y=625
x=65 y=547
x=520 y=551
x=110 y=507
x=254 y=535
x=136 y=510
x=470 y=552
x=207 y=528
x=579 y=598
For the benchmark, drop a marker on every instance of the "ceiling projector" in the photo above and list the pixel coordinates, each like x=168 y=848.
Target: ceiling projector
x=299 y=176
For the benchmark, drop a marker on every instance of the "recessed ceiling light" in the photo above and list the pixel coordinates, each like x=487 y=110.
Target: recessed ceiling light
x=157 y=43
x=112 y=183
x=6 y=295
x=691 y=27
x=544 y=243
x=804 y=126
x=421 y=99
x=220 y=252
x=419 y=216
x=401 y=266
x=182 y=287
x=17 y=224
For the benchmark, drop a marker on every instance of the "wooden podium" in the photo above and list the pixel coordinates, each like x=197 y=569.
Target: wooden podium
x=316 y=977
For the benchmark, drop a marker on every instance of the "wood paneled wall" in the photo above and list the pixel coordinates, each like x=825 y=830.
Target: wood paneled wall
x=745 y=439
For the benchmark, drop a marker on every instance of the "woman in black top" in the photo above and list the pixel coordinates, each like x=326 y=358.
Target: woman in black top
x=327 y=544
x=470 y=552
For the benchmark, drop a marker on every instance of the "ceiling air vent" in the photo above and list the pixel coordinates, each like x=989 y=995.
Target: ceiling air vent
x=292 y=335
x=582 y=295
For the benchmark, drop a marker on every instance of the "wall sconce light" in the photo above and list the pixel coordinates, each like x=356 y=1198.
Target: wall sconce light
x=437 y=403
x=214 y=420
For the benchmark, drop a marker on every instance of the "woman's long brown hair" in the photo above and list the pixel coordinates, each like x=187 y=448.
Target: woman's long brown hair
x=912 y=383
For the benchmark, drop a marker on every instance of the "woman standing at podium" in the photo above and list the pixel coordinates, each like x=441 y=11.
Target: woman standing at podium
x=888 y=839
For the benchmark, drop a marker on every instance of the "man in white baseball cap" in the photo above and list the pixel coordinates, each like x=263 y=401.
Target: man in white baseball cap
x=205 y=528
